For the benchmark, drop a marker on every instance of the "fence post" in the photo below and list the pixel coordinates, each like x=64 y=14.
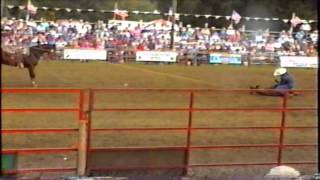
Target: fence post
x=83 y=138
x=89 y=118
x=282 y=128
x=82 y=149
x=187 y=150
x=81 y=105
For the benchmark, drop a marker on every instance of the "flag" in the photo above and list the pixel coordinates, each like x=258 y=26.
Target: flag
x=295 y=20
x=122 y=14
x=31 y=8
x=117 y=12
x=235 y=16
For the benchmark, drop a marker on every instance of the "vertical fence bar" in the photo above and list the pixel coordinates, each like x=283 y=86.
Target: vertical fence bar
x=187 y=151
x=82 y=148
x=283 y=120
x=81 y=105
x=89 y=120
x=83 y=137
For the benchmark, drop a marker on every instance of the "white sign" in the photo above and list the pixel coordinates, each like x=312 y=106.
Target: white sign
x=87 y=54
x=156 y=56
x=299 y=61
x=121 y=25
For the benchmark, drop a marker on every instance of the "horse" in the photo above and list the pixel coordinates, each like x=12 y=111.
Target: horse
x=26 y=60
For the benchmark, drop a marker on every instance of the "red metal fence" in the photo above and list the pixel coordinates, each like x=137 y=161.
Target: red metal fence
x=78 y=110
x=190 y=109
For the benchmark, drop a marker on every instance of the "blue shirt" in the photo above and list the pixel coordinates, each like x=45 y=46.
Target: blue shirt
x=286 y=81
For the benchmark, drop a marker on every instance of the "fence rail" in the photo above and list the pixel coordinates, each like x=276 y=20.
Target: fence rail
x=64 y=131
x=85 y=118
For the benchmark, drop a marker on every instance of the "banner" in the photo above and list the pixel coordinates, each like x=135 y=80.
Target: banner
x=299 y=61
x=217 y=58
x=124 y=13
x=156 y=56
x=85 y=54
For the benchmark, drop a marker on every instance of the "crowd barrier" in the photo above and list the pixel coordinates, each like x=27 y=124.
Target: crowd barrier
x=85 y=116
x=200 y=57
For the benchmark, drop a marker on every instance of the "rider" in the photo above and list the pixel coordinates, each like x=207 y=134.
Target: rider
x=286 y=80
x=286 y=83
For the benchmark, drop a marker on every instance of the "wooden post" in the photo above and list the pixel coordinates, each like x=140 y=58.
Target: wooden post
x=174 y=9
x=187 y=171
x=2 y=9
x=28 y=12
x=82 y=148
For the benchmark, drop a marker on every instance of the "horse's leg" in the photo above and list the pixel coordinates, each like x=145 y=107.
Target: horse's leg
x=21 y=65
x=32 y=75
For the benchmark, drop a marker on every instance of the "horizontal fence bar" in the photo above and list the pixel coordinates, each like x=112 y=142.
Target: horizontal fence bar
x=193 y=90
x=40 y=110
x=23 y=171
x=252 y=164
x=252 y=146
x=152 y=109
x=137 y=168
x=35 y=151
x=23 y=131
x=203 y=109
x=28 y=90
x=195 y=166
x=112 y=149
x=195 y=129
x=167 y=148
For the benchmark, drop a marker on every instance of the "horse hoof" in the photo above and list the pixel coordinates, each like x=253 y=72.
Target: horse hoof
x=34 y=84
x=21 y=65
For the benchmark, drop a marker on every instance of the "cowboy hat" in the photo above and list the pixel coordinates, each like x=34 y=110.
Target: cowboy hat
x=283 y=171
x=280 y=71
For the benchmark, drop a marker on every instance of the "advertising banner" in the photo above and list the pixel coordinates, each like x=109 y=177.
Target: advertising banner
x=299 y=61
x=220 y=58
x=156 y=56
x=87 y=54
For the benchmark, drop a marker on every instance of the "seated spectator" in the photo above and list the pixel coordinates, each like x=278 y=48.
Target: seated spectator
x=151 y=45
x=269 y=46
x=60 y=43
x=140 y=47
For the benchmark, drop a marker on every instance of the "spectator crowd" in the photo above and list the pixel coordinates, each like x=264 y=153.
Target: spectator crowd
x=79 y=34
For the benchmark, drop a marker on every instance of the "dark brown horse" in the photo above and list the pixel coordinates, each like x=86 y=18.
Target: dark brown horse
x=26 y=60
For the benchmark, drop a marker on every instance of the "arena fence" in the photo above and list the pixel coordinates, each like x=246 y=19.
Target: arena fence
x=78 y=110
x=87 y=149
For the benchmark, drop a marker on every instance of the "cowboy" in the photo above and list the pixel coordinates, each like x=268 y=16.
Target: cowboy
x=286 y=83
x=286 y=80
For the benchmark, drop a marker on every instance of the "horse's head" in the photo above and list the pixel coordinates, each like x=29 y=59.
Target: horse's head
x=42 y=49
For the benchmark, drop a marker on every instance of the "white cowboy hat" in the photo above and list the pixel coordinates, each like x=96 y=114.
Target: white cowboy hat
x=279 y=71
x=283 y=171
